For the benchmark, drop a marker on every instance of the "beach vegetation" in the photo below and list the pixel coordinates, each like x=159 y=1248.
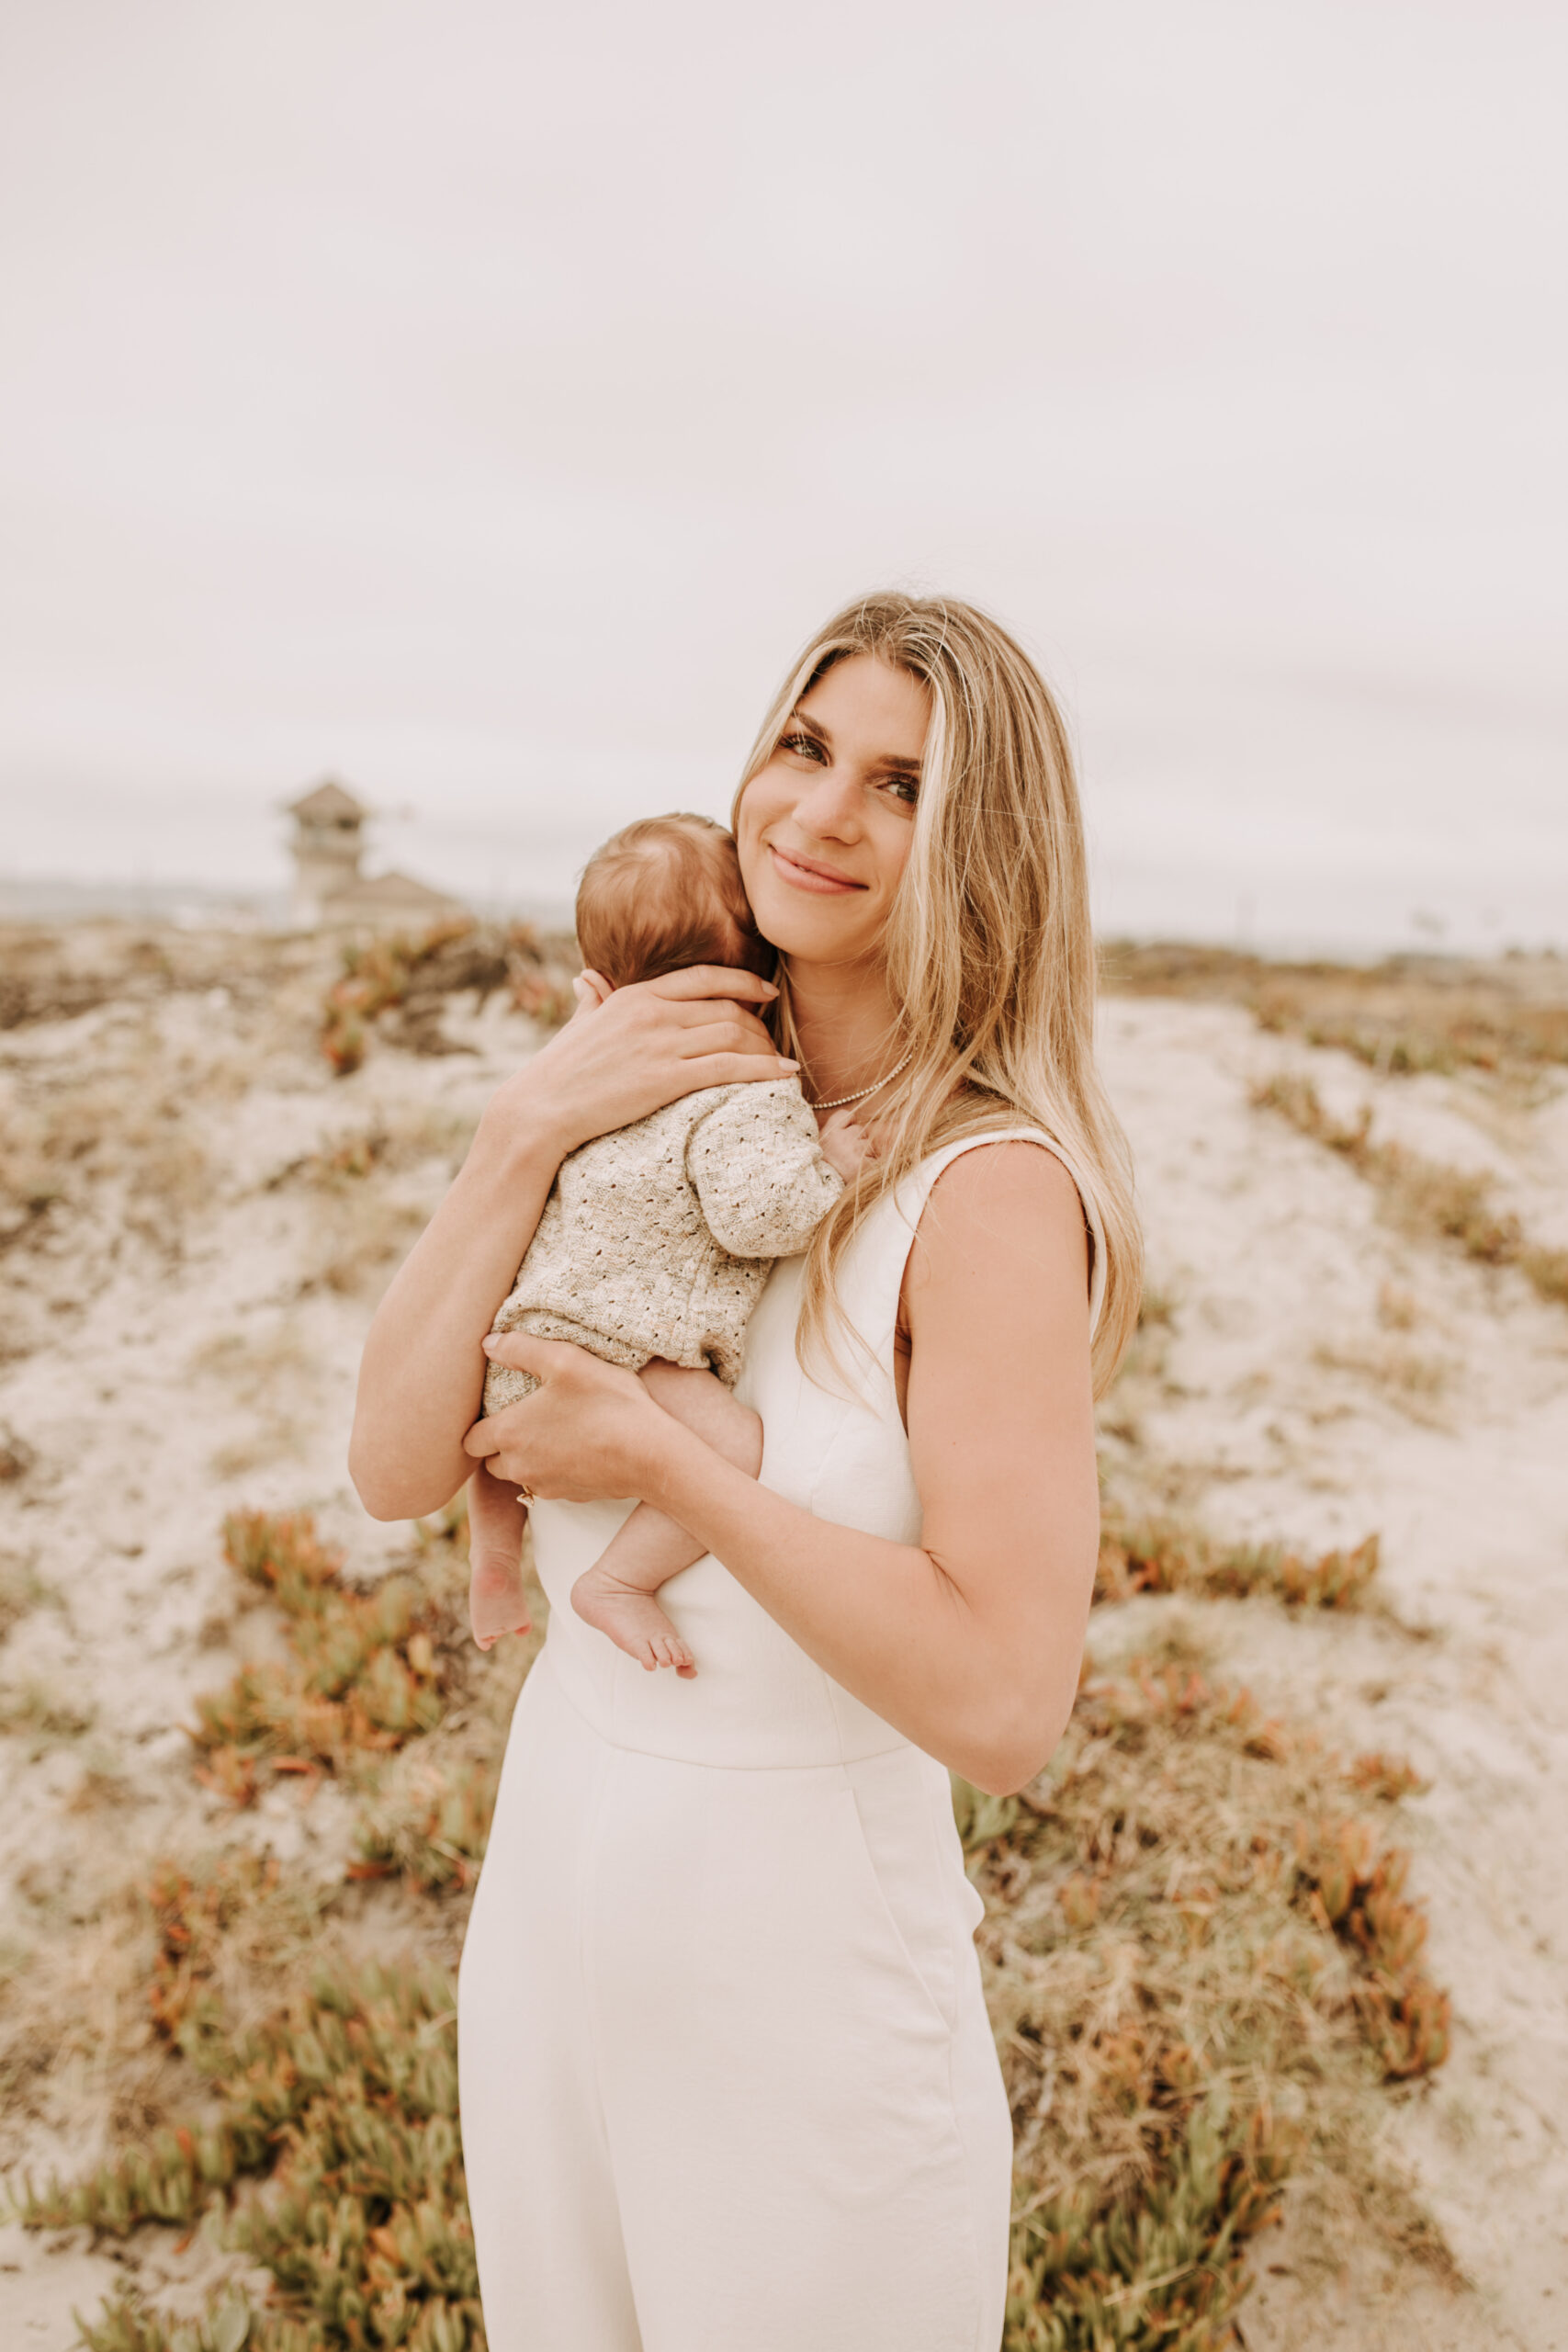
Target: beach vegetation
x=1163 y=1554
x=1427 y=1199
x=399 y=986
x=1401 y=1016
x=1203 y=1961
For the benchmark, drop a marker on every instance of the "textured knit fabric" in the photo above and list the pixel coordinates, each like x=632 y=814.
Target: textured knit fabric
x=655 y=1240
x=727 y=2083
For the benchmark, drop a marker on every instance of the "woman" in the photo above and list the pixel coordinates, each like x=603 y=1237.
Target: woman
x=727 y=2077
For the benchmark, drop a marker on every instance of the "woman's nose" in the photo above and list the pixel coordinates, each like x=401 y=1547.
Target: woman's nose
x=828 y=805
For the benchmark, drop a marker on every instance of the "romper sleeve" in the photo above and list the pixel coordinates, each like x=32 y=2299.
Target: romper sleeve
x=759 y=1173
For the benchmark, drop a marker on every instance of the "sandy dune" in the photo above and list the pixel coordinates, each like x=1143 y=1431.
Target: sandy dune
x=181 y=1336
x=1324 y=1377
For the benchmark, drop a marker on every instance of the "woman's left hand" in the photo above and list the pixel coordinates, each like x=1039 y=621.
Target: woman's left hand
x=580 y=1435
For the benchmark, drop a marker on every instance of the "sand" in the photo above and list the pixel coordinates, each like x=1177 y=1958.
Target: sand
x=181 y=1336
x=1325 y=1377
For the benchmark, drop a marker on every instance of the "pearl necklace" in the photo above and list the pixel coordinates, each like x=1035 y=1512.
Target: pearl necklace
x=838 y=1101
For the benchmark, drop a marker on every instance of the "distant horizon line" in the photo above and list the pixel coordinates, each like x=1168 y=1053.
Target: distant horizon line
x=49 y=898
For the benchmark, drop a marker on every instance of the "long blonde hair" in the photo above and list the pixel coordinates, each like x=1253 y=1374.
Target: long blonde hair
x=990 y=948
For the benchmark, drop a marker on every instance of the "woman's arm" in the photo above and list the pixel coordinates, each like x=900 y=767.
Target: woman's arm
x=423 y=1374
x=969 y=1643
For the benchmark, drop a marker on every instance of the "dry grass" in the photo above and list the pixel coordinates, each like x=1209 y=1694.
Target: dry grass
x=69 y=1138
x=43 y=1716
x=47 y=975
x=1154 y=1554
x=21 y=1591
x=1432 y=1201
x=1407 y=1377
x=75 y=2037
x=358 y=1241
x=1405 y=1014
x=53 y=972
x=1200 y=1958
x=342 y=1164
x=401 y=985
x=372 y=1191
x=270 y=1373
x=1200 y=1962
x=16 y=1455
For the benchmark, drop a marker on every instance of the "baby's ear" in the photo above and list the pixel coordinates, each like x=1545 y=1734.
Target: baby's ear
x=590 y=988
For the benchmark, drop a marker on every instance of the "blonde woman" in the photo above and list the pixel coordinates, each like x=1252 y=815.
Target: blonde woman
x=727 y=2077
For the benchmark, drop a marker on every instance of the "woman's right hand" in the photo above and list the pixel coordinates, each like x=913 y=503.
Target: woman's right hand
x=623 y=1053
x=620 y=1057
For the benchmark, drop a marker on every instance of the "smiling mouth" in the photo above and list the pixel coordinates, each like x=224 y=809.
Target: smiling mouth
x=805 y=874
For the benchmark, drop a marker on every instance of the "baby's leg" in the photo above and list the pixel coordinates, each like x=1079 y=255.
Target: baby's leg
x=616 y=1593
x=496 y=1519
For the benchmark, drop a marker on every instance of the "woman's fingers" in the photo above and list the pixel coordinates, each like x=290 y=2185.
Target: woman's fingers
x=676 y=1034
x=710 y=980
x=697 y=1012
x=722 y=1034
x=544 y=1358
x=641 y=1047
x=592 y=990
x=563 y=1439
x=707 y=1021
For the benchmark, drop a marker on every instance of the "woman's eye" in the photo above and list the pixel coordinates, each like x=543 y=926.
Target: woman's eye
x=904 y=789
x=806 y=747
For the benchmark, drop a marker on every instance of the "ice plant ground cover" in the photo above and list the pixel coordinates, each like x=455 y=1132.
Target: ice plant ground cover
x=1198 y=1951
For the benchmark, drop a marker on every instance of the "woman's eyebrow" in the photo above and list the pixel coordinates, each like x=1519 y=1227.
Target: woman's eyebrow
x=898 y=762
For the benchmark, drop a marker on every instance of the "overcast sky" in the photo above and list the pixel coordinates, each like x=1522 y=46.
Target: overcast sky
x=481 y=403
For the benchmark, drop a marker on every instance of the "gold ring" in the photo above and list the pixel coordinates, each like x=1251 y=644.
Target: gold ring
x=526 y=1495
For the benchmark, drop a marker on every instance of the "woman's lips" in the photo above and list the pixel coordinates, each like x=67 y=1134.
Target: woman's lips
x=805 y=874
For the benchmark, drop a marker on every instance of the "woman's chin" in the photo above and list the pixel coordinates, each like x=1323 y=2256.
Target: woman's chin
x=822 y=941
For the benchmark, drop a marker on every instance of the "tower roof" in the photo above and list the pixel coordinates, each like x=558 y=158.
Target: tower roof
x=328 y=803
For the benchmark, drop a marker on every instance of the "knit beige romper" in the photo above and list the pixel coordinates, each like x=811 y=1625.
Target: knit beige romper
x=656 y=1240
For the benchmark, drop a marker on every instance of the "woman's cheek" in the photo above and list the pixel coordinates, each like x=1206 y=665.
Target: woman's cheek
x=754 y=861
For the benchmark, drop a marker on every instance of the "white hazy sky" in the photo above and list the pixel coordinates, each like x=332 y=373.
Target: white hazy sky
x=481 y=401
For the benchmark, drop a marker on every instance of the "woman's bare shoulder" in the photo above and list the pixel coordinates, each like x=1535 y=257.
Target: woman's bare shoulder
x=1010 y=1192
x=1003 y=1232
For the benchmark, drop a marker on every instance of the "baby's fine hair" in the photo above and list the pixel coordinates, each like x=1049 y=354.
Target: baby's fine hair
x=663 y=894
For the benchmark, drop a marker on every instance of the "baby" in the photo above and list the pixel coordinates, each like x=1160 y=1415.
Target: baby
x=655 y=1240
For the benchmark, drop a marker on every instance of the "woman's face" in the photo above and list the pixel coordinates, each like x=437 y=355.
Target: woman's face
x=824 y=830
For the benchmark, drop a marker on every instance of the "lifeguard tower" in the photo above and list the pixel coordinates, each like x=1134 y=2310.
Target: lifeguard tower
x=329 y=890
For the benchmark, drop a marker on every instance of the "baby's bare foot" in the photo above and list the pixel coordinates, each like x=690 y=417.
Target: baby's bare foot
x=496 y=1602
x=633 y=1620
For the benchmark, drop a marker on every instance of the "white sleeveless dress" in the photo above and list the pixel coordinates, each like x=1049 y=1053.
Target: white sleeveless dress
x=727 y=2083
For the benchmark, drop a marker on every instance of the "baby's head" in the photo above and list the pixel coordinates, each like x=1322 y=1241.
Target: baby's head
x=663 y=894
